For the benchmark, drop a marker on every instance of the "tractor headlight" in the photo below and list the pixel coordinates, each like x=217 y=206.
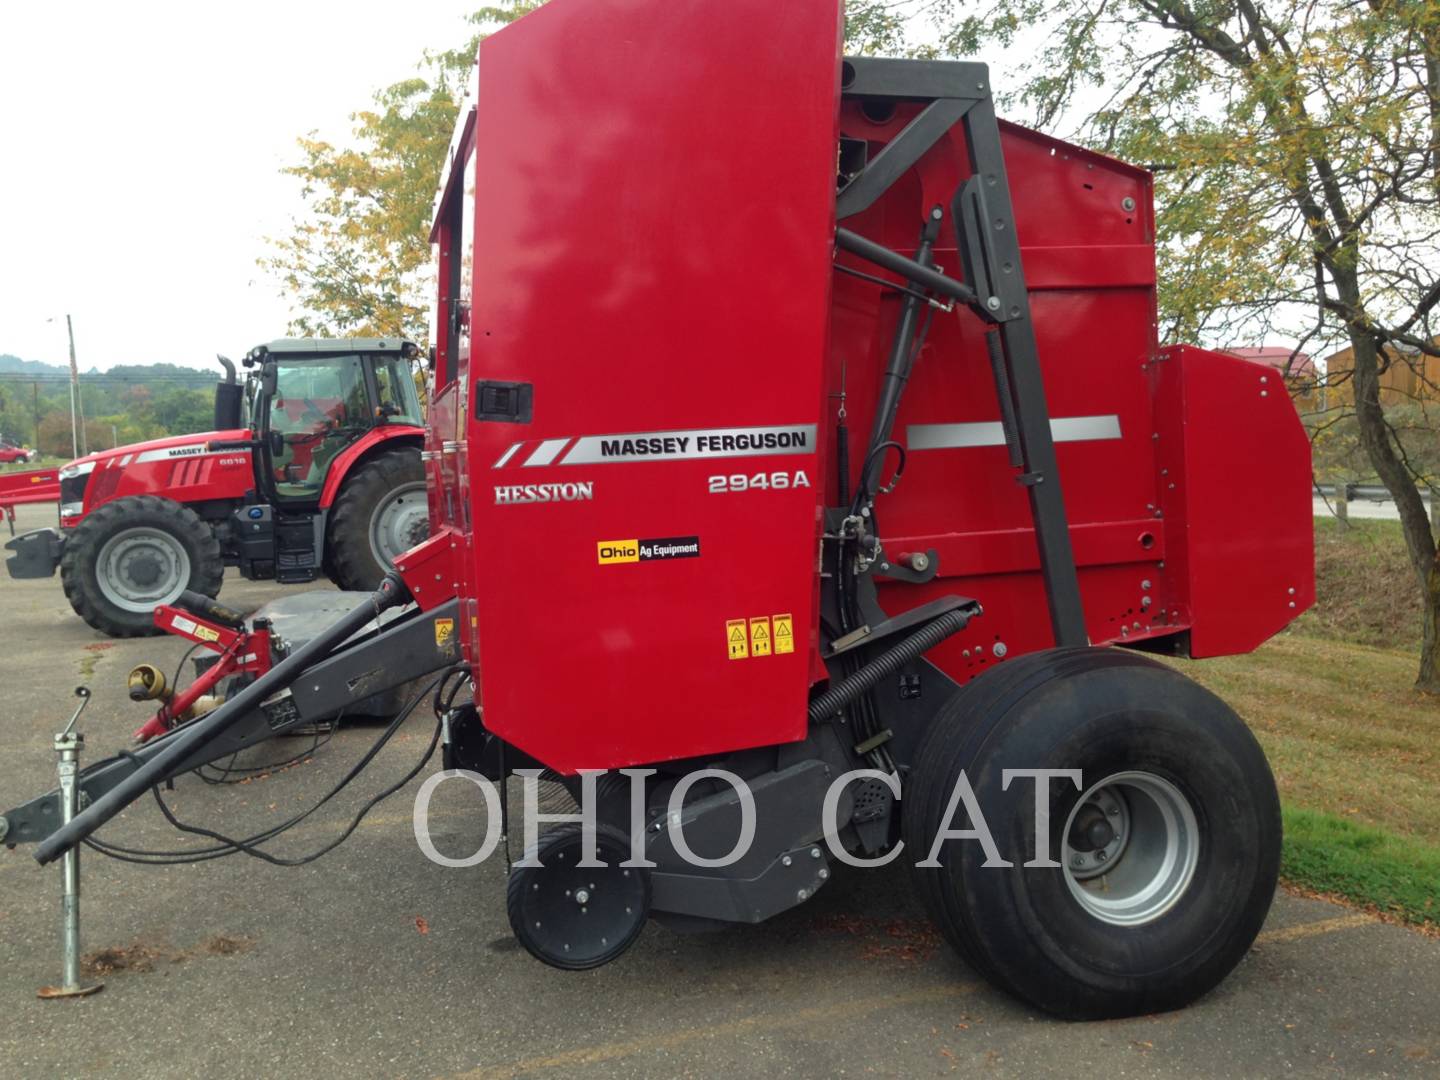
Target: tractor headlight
x=77 y=468
x=72 y=509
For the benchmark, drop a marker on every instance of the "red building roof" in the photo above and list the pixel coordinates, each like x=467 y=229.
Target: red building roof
x=1277 y=356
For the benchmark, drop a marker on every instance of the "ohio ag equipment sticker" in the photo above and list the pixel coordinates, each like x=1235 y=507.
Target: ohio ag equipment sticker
x=630 y=551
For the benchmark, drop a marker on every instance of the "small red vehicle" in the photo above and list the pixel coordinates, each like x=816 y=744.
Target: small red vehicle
x=10 y=453
x=314 y=467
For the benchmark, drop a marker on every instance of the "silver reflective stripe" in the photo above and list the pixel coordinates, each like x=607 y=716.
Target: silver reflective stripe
x=699 y=443
x=175 y=453
x=546 y=452
x=507 y=455
x=990 y=433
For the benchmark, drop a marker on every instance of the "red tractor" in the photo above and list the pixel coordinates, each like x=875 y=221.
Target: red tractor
x=314 y=467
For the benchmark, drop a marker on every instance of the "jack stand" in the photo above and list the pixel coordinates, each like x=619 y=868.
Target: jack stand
x=68 y=745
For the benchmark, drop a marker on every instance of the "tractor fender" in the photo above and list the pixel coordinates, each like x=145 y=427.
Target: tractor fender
x=361 y=450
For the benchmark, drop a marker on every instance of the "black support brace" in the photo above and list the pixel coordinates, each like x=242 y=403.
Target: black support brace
x=994 y=286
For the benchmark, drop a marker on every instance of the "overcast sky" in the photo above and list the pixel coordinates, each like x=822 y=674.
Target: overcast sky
x=140 y=149
x=140 y=153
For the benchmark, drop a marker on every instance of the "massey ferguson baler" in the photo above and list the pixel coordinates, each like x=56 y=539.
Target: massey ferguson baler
x=809 y=432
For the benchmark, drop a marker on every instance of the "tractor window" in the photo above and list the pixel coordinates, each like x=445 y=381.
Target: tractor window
x=395 y=382
x=320 y=407
x=248 y=415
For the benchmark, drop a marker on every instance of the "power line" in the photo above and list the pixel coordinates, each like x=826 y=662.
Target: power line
x=99 y=378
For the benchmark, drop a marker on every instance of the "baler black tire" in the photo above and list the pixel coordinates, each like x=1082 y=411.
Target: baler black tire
x=351 y=559
x=79 y=564
x=1107 y=713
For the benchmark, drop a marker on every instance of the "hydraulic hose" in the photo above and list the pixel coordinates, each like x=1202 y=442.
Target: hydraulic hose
x=190 y=738
x=889 y=662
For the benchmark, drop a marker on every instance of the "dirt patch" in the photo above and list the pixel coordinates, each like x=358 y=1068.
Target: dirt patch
x=142 y=957
x=95 y=649
x=221 y=945
x=906 y=940
x=138 y=957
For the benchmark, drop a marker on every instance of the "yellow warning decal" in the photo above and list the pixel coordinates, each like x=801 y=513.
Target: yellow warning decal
x=760 y=636
x=735 y=638
x=618 y=551
x=784 y=634
x=444 y=631
x=204 y=633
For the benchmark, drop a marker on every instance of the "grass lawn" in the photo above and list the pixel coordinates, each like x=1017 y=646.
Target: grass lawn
x=1356 y=751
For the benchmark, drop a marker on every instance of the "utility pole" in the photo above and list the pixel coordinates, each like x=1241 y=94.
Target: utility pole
x=35 y=407
x=78 y=442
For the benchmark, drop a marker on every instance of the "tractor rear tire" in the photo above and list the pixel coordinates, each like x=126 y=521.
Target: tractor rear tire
x=130 y=556
x=380 y=513
x=1159 y=902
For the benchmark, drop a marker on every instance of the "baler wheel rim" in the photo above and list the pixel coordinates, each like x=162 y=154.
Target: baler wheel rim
x=1156 y=850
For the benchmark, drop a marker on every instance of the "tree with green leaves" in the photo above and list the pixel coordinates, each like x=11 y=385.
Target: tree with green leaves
x=357 y=259
x=1296 y=145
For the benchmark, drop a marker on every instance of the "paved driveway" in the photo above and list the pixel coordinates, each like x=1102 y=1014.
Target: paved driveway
x=375 y=962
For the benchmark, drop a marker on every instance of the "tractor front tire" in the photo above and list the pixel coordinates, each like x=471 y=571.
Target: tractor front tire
x=1162 y=861
x=130 y=556
x=381 y=513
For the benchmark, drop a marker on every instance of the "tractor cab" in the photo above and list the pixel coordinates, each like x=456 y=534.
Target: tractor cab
x=310 y=400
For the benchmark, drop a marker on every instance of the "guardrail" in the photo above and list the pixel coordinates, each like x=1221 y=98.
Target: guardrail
x=1373 y=492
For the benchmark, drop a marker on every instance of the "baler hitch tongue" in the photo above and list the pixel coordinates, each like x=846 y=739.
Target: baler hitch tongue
x=392 y=592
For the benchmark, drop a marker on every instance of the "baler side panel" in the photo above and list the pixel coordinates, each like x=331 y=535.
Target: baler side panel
x=1237 y=501
x=655 y=197
x=1086 y=233
x=447 y=475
